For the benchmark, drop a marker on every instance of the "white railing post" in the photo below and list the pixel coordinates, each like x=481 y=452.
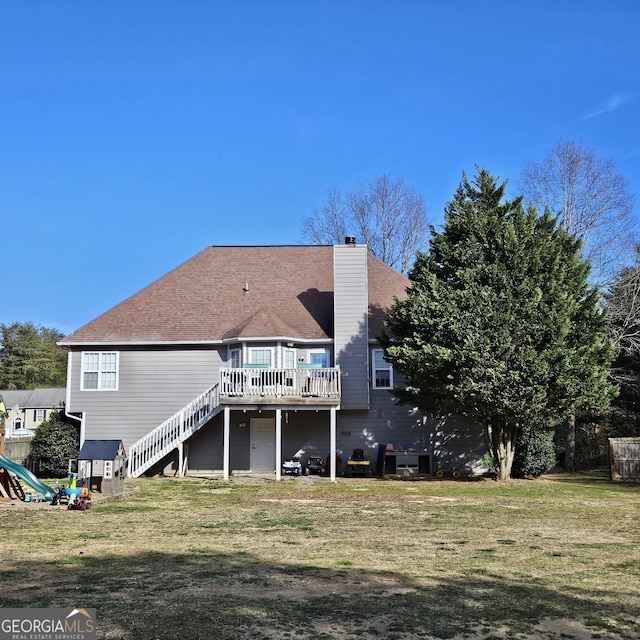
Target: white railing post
x=332 y=444
x=226 y=449
x=278 y=444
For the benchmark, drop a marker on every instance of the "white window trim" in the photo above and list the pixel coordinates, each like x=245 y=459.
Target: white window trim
x=100 y=370
x=272 y=350
x=294 y=357
x=233 y=350
x=374 y=369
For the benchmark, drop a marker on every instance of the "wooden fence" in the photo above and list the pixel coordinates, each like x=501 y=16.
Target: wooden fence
x=624 y=458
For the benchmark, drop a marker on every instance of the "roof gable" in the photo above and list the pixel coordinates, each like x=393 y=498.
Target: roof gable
x=264 y=323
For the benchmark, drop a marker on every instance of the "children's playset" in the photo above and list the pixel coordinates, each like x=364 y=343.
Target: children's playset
x=105 y=459
x=13 y=475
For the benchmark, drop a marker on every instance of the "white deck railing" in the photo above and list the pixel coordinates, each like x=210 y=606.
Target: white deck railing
x=258 y=382
x=152 y=447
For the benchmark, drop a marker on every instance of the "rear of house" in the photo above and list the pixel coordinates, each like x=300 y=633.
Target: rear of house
x=244 y=356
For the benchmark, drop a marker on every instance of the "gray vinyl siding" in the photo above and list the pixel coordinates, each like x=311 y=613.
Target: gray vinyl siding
x=351 y=307
x=204 y=449
x=453 y=443
x=385 y=422
x=153 y=384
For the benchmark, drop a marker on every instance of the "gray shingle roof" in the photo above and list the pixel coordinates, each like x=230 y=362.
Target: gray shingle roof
x=50 y=398
x=99 y=450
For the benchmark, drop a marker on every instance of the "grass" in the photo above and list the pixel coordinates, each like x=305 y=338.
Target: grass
x=199 y=558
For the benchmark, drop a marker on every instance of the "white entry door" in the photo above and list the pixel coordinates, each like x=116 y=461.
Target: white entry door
x=263 y=444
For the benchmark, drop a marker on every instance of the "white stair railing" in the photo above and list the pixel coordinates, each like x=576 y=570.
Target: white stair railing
x=156 y=444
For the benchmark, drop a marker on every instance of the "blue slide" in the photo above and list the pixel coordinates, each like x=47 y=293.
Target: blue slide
x=28 y=477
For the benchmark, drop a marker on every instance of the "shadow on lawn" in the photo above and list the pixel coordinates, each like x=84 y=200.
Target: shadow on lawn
x=202 y=595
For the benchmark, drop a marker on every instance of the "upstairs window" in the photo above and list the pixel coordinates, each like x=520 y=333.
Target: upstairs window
x=99 y=371
x=381 y=371
x=235 y=358
x=262 y=357
x=319 y=357
x=289 y=358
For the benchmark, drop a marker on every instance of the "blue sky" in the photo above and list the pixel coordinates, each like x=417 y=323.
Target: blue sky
x=135 y=133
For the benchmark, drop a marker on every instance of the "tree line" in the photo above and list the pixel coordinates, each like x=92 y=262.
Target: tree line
x=30 y=357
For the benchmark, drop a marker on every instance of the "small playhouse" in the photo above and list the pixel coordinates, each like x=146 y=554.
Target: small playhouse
x=103 y=466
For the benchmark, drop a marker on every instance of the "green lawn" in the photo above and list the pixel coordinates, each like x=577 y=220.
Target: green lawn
x=195 y=558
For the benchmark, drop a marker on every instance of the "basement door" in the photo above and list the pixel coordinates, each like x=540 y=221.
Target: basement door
x=263 y=445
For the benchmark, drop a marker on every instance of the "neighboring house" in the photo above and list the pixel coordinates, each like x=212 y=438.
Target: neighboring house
x=246 y=355
x=27 y=408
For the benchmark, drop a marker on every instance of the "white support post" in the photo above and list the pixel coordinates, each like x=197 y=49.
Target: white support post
x=225 y=444
x=181 y=459
x=332 y=443
x=278 y=444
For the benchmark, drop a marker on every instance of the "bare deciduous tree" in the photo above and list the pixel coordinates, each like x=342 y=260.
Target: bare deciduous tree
x=592 y=199
x=387 y=215
x=623 y=301
x=327 y=224
x=624 y=311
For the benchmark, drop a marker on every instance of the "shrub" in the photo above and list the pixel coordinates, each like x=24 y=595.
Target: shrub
x=535 y=452
x=56 y=440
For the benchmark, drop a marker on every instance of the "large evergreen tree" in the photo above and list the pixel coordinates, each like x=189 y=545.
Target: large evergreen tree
x=500 y=324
